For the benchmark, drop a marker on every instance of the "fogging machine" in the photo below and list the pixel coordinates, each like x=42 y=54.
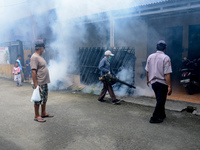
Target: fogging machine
x=111 y=79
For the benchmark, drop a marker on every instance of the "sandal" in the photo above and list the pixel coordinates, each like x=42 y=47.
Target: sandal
x=47 y=116
x=40 y=120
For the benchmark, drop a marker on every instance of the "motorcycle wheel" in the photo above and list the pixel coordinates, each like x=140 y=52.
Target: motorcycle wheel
x=189 y=90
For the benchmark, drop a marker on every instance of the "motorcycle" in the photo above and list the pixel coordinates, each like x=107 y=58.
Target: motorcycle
x=190 y=75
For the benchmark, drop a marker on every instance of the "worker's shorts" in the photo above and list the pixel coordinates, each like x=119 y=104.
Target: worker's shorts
x=43 y=94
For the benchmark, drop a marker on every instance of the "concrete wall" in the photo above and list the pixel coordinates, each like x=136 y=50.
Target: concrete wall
x=26 y=53
x=140 y=47
x=95 y=34
x=6 y=70
x=133 y=33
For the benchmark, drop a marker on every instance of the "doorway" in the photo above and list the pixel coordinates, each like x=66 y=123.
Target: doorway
x=194 y=42
x=174 y=38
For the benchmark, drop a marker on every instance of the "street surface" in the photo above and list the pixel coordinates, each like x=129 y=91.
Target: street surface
x=82 y=123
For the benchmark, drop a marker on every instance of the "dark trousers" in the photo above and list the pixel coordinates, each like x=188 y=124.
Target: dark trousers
x=161 y=95
x=107 y=87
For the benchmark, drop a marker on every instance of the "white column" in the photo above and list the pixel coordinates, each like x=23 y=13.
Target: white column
x=112 y=26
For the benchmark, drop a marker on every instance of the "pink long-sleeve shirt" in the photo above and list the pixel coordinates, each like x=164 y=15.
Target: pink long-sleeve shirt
x=16 y=70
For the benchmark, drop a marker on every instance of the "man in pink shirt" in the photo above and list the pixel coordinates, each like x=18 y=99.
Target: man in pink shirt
x=158 y=68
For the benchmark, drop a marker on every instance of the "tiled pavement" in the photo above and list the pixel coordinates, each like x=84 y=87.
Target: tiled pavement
x=180 y=94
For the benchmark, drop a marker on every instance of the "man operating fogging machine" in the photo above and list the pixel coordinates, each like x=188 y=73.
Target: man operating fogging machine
x=105 y=68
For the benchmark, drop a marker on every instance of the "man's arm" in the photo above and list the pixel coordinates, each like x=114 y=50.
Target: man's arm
x=101 y=66
x=168 y=80
x=27 y=64
x=147 y=73
x=34 y=75
x=147 y=78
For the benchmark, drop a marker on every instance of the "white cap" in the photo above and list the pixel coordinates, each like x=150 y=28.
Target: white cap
x=109 y=53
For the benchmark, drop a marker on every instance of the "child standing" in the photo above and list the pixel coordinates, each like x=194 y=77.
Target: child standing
x=16 y=73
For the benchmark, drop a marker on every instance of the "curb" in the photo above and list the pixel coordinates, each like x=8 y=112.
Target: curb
x=172 y=105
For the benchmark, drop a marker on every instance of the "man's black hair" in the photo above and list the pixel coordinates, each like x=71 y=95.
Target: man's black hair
x=161 y=46
x=19 y=56
x=38 y=45
x=29 y=55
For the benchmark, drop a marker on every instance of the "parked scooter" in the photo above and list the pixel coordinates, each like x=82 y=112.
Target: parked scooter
x=190 y=75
